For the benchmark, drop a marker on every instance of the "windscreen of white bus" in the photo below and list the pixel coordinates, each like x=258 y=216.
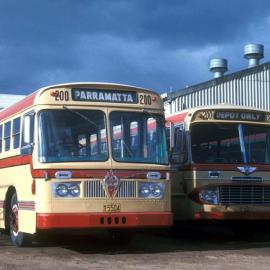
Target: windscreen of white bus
x=138 y=137
x=230 y=143
x=72 y=135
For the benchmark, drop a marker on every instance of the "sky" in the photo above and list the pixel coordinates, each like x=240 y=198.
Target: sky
x=156 y=44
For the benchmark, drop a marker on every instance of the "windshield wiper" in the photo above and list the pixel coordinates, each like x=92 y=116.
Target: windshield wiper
x=81 y=115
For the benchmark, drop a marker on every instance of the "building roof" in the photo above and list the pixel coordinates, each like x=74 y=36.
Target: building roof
x=225 y=78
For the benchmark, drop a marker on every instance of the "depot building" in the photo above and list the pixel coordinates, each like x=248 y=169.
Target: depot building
x=248 y=87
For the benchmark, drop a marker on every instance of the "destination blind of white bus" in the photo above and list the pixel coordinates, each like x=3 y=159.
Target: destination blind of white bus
x=104 y=96
x=242 y=116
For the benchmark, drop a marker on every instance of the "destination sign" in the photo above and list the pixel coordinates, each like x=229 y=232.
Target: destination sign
x=101 y=95
x=240 y=116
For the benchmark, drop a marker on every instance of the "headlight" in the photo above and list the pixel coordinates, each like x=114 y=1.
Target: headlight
x=74 y=190
x=62 y=190
x=144 y=190
x=151 y=190
x=157 y=190
x=66 y=189
x=210 y=196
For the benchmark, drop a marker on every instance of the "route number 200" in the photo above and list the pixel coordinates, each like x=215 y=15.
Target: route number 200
x=145 y=99
x=61 y=95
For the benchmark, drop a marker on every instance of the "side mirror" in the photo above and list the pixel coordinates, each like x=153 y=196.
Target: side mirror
x=26 y=129
x=28 y=133
x=27 y=149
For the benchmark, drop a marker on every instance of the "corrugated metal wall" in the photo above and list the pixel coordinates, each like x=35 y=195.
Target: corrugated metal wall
x=250 y=88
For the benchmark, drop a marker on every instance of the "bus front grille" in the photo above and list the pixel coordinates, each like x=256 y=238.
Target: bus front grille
x=127 y=190
x=94 y=189
x=244 y=194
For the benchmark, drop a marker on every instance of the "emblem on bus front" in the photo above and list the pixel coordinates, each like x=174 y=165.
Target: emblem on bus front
x=247 y=170
x=111 y=184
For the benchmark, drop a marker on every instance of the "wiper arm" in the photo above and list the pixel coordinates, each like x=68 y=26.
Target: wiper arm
x=81 y=115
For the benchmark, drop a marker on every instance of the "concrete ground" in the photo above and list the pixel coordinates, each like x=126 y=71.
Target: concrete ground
x=180 y=249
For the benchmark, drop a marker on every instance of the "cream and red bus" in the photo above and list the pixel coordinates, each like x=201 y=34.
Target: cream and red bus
x=83 y=156
x=220 y=163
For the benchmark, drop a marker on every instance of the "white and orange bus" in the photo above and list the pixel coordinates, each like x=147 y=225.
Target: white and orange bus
x=83 y=156
x=220 y=163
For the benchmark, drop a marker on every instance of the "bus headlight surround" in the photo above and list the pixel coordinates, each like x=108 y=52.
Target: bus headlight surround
x=209 y=196
x=151 y=190
x=67 y=189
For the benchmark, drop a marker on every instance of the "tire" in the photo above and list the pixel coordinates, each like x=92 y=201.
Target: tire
x=18 y=238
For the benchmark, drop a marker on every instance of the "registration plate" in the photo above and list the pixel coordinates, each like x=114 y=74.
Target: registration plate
x=111 y=207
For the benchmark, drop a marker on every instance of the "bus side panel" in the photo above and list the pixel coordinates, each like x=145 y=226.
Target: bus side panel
x=21 y=179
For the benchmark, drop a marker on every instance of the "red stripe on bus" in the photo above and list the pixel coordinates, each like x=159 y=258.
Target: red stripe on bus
x=26 y=205
x=15 y=161
x=232 y=215
x=104 y=220
x=19 y=106
x=96 y=173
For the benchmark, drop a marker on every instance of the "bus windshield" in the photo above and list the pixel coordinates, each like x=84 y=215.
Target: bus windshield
x=72 y=135
x=230 y=143
x=138 y=137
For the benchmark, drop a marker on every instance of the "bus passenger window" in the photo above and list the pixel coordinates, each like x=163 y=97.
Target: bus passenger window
x=93 y=145
x=117 y=142
x=16 y=132
x=7 y=136
x=82 y=145
x=134 y=139
x=103 y=140
x=1 y=140
x=151 y=138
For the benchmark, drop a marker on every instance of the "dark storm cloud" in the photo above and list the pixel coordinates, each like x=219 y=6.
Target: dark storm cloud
x=155 y=44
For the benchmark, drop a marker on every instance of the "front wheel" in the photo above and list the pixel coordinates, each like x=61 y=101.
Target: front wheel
x=18 y=238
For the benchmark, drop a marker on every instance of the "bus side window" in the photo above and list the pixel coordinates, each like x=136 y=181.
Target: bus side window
x=179 y=152
x=7 y=132
x=27 y=134
x=16 y=127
